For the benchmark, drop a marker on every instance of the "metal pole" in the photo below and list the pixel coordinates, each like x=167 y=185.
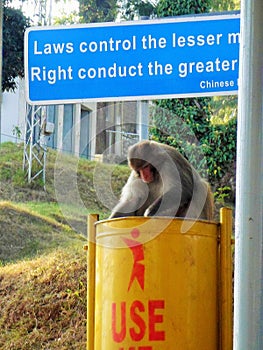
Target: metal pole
x=31 y=141
x=248 y=305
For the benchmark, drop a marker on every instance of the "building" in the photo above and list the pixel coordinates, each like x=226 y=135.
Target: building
x=92 y=130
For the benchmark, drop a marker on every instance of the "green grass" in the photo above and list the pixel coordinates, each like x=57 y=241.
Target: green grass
x=49 y=209
x=42 y=262
x=25 y=234
x=43 y=302
x=54 y=210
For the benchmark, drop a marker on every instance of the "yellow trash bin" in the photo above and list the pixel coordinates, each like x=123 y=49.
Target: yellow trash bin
x=155 y=285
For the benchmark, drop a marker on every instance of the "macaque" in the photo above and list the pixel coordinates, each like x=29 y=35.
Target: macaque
x=163 y=183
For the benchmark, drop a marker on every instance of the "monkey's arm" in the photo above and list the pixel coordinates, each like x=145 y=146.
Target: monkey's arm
x=168 y=204
x=123 y=209
x=198 y=206
x=133 y=197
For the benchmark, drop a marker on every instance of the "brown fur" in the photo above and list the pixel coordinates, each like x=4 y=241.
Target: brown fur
x=177 y=189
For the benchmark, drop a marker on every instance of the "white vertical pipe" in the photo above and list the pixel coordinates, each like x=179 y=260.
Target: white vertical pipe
x=248 y=304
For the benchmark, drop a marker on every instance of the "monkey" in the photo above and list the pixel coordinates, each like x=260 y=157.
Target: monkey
x=163 y=183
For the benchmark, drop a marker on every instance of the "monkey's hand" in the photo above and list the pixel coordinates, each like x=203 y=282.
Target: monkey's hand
x=166 y=205
x=154 y=207
x=134 y=195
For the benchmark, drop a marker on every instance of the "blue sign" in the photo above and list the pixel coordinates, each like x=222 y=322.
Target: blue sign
x=178 y=57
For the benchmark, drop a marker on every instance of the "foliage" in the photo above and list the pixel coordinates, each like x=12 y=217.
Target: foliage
x=181 y=123
x=207 y=141
x=132 y=8
x=224 y=108
x=222 y=194
x=219 y=147
x=225 y=5
x=182 y=7
x=66 y=19
x=14 y=25
x=17 y=132
x=193 y=114
x=163 y=8
x=210 y=148
x=97 y=10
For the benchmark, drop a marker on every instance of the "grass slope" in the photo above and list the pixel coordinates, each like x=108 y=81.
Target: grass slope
x=43 y=302
x=43 y=271
x=25 y=234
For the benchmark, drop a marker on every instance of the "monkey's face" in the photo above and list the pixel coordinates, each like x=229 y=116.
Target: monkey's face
x=142 y=159
x=145 y=171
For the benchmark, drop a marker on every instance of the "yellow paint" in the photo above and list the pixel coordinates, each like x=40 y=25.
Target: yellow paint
x=91 y=262
x=226 y=280
x=161 y=295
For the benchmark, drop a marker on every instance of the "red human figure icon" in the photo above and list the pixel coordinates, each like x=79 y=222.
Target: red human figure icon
x=138 y=256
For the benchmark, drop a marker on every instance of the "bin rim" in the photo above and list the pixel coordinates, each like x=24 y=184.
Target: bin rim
x=163 y=218
x=114 y=227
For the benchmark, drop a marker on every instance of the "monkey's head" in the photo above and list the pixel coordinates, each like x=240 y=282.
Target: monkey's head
x=140 y=157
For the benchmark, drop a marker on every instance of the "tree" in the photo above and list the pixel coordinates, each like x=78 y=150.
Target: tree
x=224 y=107
x=14 y=25
x=182 y=7
x=132 y=8
x=225 y=5
x=91 y=11
x=66 y=19
x=187 y=123
x=194 y=112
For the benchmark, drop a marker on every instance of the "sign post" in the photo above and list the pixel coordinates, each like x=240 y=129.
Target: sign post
x=177 y=57
x=248 y=314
